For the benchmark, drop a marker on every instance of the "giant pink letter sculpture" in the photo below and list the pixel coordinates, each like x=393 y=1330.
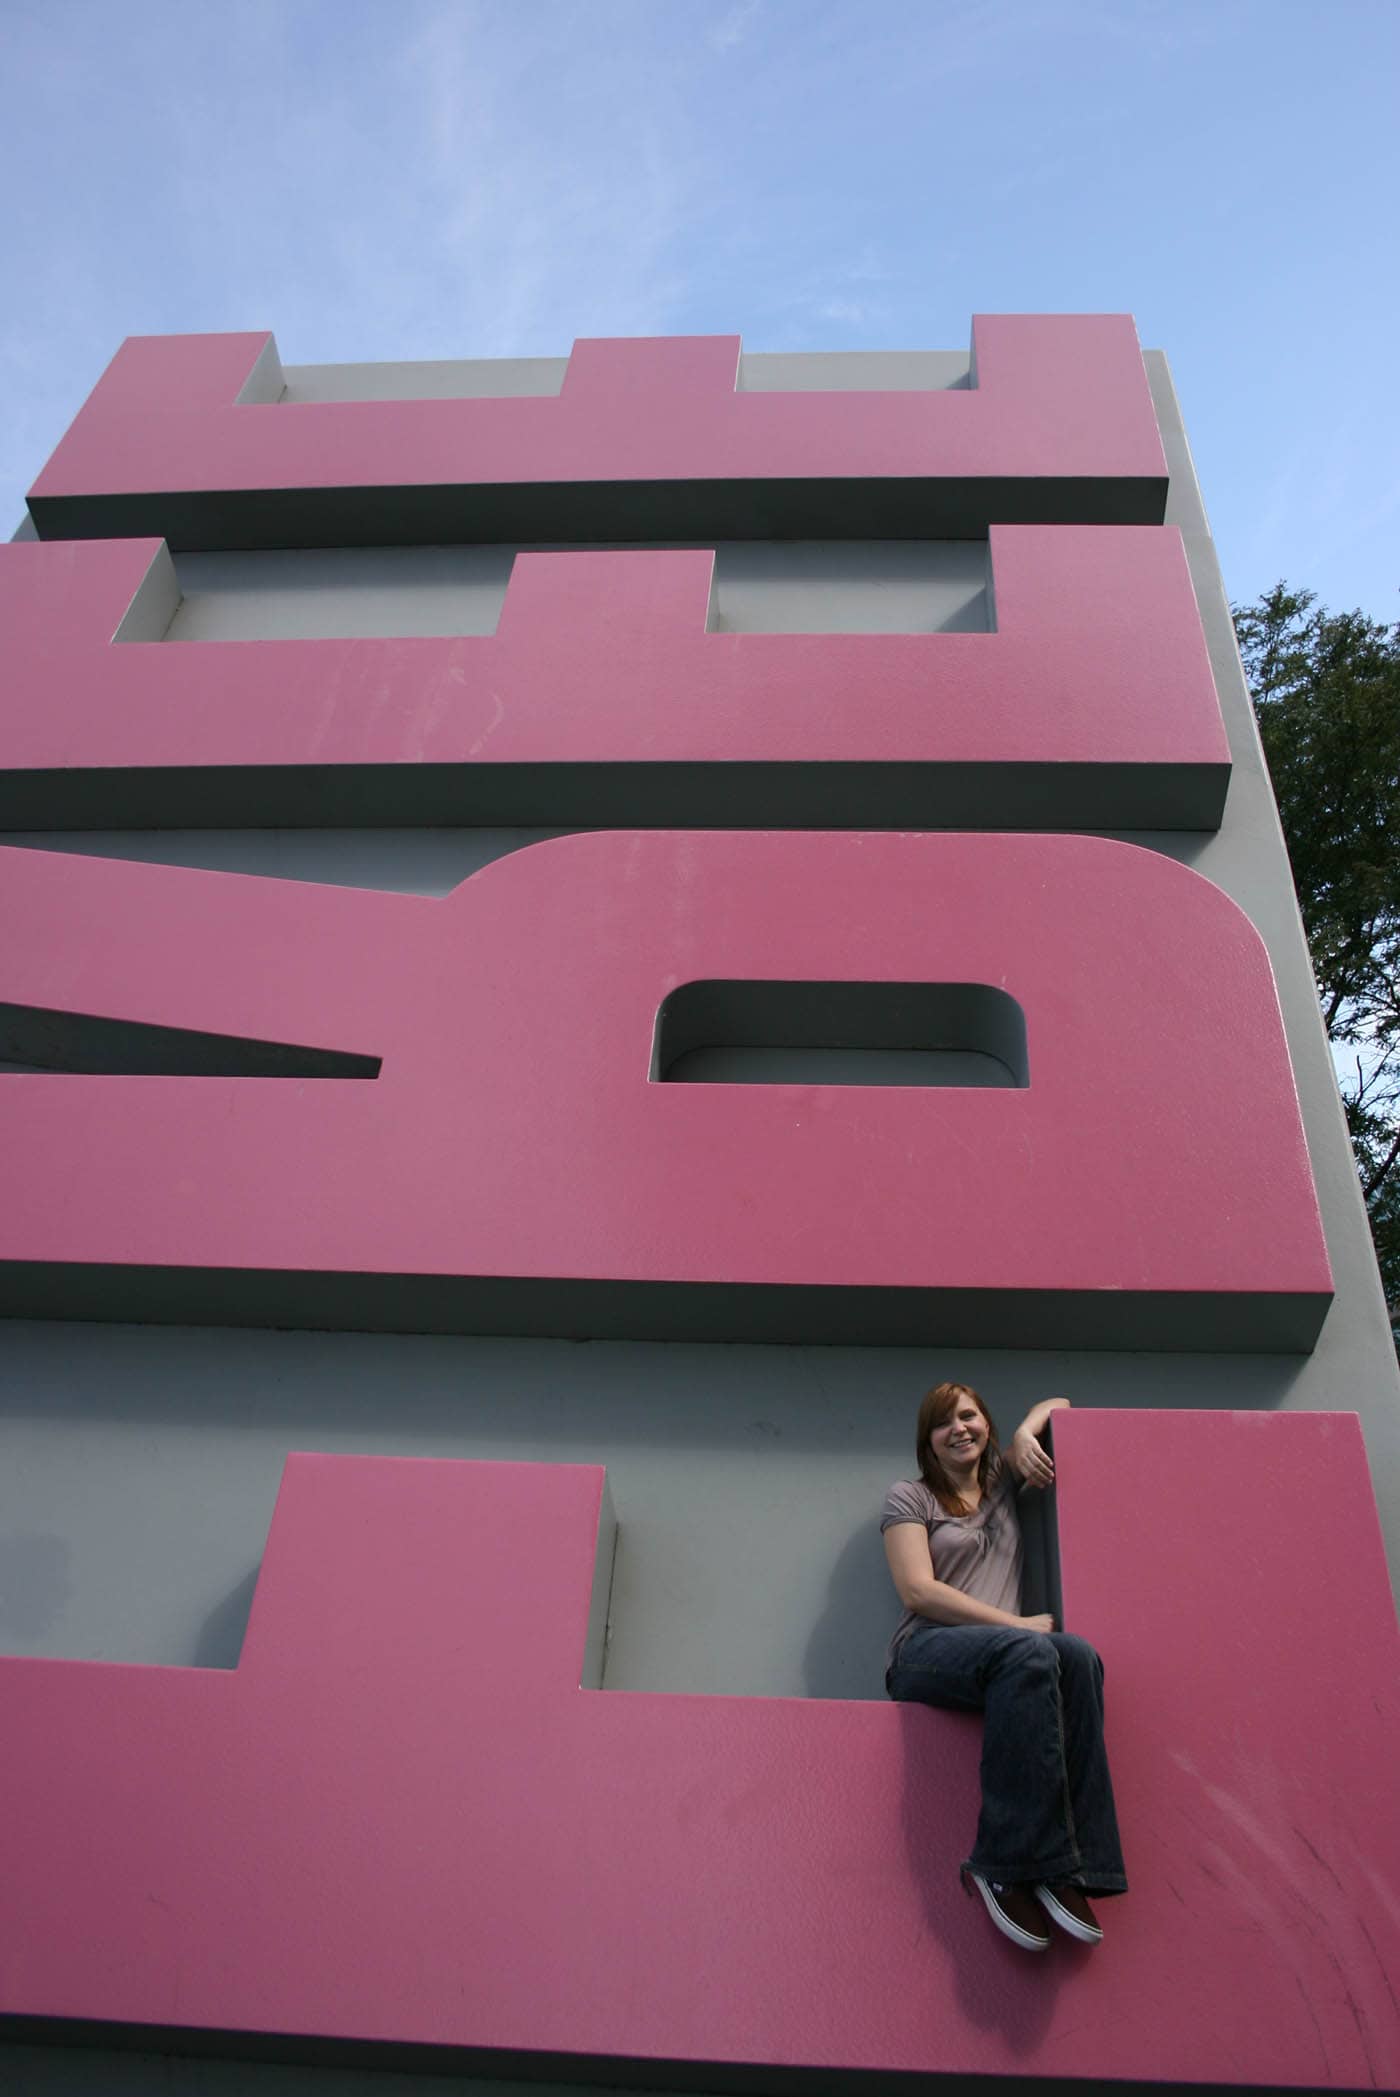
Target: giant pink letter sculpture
x=1140 y=1183
x=603 y=696
x=401 y=1819
x=186 y=437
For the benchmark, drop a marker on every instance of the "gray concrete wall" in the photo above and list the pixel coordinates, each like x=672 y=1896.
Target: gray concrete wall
x=506 y=378
x=140 y=1464
x=803 y=586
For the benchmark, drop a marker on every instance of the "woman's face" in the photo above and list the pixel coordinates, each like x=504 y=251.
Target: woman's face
x=959 y=1440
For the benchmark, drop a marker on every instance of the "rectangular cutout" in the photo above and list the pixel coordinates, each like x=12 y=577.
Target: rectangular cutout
x=517 y=378
x=448 y=378
x=854 y=371
x=774 y=1033
x=339 y=593
x=893 y=586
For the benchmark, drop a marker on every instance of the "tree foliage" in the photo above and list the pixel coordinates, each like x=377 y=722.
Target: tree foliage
x=1326 y=691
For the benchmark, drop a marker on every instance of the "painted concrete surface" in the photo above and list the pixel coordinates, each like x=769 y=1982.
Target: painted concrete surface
x=144 y=1576
x=1355 y=1361
x=166 y=414
x=680 y=1878
x=141 y=1464
x=604 y=659
x=1175 y=1176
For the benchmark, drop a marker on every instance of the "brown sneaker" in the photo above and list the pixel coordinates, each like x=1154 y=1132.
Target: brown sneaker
x=1066 y=1906
x=1013 y=1910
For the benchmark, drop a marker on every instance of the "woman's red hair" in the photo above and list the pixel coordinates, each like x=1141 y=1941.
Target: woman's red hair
x=938 y=1406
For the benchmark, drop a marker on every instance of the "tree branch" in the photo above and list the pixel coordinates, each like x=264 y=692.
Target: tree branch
x=1382 y=1172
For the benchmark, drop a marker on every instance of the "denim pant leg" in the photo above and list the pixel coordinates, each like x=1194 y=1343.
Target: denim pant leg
x=1090 y=1785
x=1025 y=1831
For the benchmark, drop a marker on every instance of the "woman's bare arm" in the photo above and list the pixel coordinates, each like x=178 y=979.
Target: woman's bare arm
x=1027 y=1458
x=911 y=1569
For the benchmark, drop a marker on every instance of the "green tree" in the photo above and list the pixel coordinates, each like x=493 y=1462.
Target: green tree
x=1326 y=689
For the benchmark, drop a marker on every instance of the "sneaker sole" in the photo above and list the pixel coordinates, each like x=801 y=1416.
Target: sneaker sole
x=1084 y=1932
x=1003 y=1921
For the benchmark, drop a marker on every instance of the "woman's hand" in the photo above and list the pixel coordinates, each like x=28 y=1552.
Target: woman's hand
x=1037 y=1623
x=1028 y=1460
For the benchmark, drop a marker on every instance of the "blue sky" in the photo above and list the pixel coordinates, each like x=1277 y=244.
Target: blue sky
x=438 y=178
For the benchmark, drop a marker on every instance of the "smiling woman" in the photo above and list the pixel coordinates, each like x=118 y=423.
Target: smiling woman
x=1047 y=1835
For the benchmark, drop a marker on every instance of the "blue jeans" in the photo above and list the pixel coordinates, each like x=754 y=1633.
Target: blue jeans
x=1047 y=1799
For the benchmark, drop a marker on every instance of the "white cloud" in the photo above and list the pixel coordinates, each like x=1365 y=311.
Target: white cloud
x=552 y=187
x=732 y=27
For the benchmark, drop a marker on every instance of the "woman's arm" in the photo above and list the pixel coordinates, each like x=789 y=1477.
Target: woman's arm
x=911 y=1568
x=1027 y=1458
